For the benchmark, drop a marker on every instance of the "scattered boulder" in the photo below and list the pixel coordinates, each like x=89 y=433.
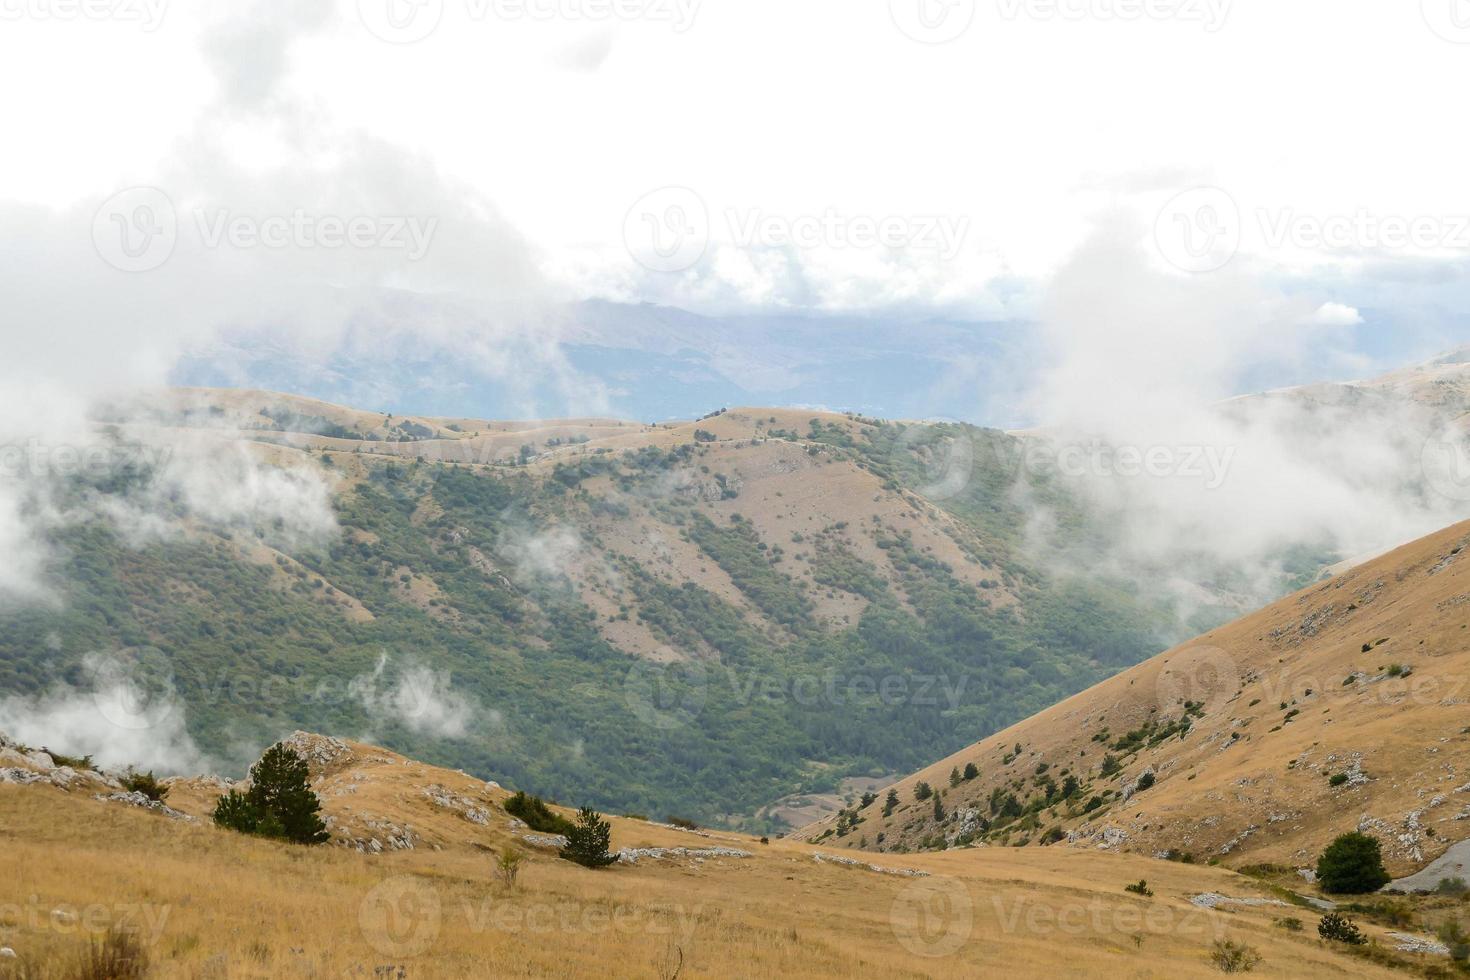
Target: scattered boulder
x=142 y=802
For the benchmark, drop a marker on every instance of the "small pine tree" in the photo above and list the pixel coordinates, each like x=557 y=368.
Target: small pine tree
x=954 y=777
x=971 y=770
x=938 y=809
x=279 y=802
x=280 y=787
x=1352 y=865
x=234 y=812
x=890 y=803
x=922 y=791
x=587 y=843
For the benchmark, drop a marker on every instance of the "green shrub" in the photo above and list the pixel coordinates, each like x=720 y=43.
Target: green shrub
x=588 y=840
x=1352 y=864
x=922 y=791
x=1340 y=929
x=1453 y=935
x=1337 y=779
x=537 y=815
x=1144 y=782
x=508 y=866
x=234 y=812
x=1451 y=886
x=1233 y=957
x=145 y=783
x=79 y=762
x=971 y=770
x=1141 y=888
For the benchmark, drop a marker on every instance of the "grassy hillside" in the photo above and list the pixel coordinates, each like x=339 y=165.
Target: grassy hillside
x=1341 y=707
x=692 y=618
x=727 y=905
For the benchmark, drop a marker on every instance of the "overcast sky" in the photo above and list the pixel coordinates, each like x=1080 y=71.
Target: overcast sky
x=823 y=154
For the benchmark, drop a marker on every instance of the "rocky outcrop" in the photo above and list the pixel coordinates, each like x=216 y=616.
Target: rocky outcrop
x=321 y=752
x=854 y=863
x=631 y=855
x=142 y=802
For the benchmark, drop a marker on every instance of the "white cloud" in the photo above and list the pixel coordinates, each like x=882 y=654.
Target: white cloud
x=1336 y=315
x=1140 y=359
x=420 y=699
x=125 y=717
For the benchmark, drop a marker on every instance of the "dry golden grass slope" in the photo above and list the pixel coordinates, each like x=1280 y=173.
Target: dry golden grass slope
x=205 y=902
x=1364 y=676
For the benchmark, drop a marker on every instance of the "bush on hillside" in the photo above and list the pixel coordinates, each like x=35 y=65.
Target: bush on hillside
x=537 y=815
x=1340 y=929
x=1352 y=865
x=78 y=762
x=145 y=783
x=508 y=866
x=1453 y=935
x=1233 y=957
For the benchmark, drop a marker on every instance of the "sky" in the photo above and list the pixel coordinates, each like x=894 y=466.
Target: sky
x=977 y=143
x=463 y=172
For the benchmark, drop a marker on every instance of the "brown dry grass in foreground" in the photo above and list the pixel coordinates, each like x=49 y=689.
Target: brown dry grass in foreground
x=209 y=903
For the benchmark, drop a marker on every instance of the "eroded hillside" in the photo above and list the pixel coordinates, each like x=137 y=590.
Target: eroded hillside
x=1341 y=707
